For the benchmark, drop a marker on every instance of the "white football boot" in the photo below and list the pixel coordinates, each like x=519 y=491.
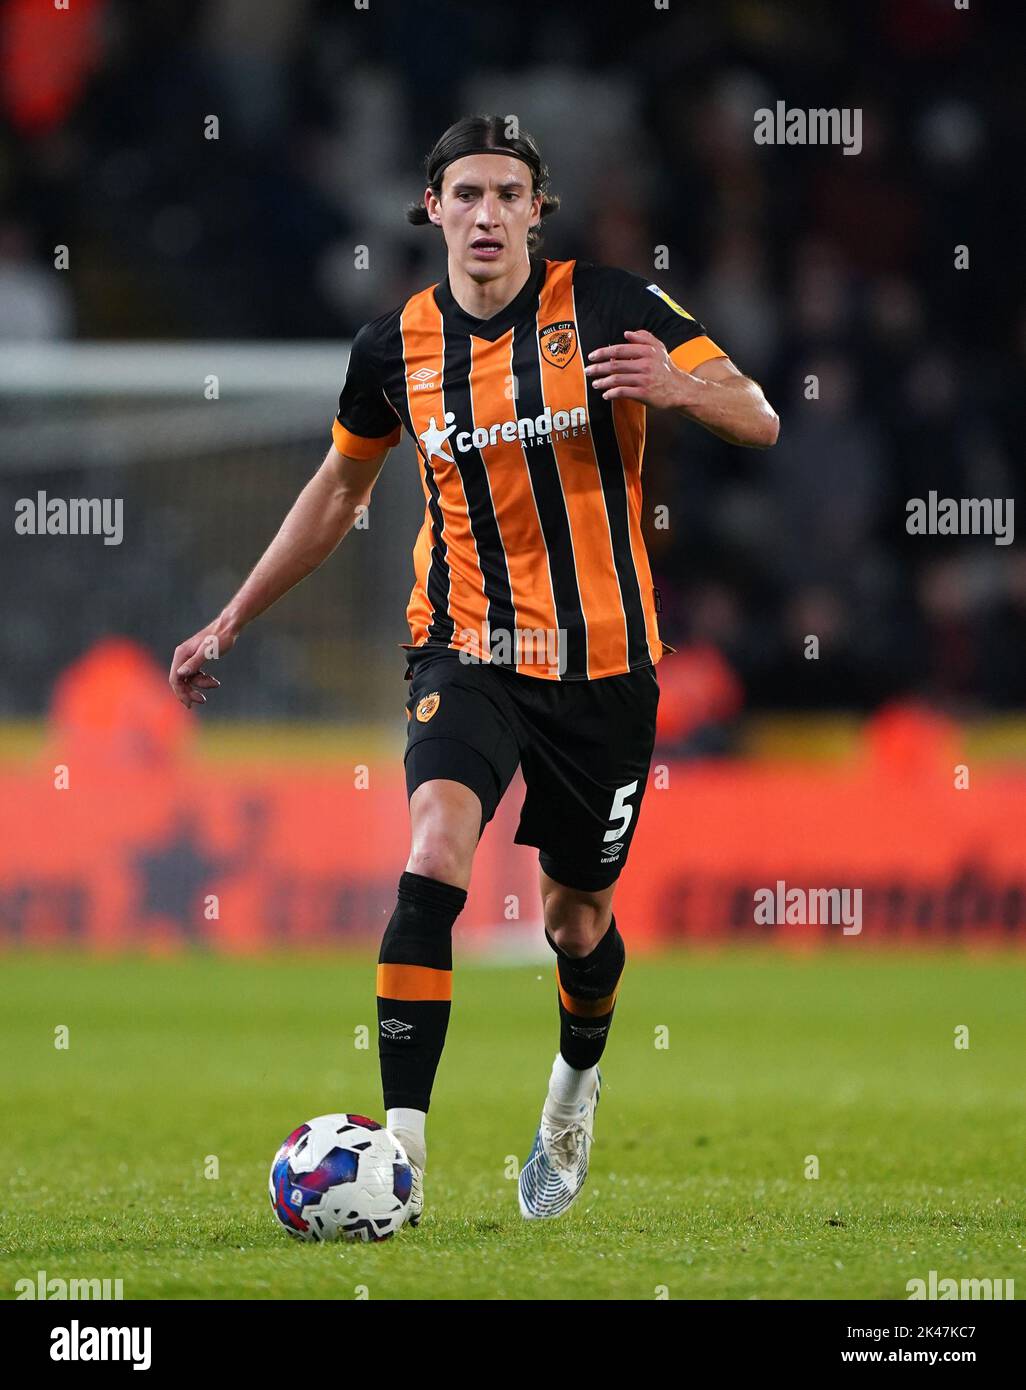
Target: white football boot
x=554 y=1174
x=404 y=1143
x=416 y=1195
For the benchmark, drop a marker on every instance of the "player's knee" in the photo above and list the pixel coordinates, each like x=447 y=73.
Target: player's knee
x=442 y=853
x=446 y=823
x=442 y=860
x=576 y=920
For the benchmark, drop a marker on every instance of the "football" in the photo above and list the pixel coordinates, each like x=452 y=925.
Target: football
x=341 y=1177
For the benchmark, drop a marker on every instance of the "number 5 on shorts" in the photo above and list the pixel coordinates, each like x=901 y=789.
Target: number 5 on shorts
x=622 y=811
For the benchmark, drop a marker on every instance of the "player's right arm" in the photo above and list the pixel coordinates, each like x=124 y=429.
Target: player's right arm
x=321 y=515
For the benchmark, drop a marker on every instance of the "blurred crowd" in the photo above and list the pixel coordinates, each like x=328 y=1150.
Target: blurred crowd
x=831 y=279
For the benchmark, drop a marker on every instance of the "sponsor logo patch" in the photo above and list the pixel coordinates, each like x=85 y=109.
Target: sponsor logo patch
x=672 y=302
x=433 y=438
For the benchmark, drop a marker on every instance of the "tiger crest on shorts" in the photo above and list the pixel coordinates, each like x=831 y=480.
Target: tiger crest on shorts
x=559 y=343
x=427 y=706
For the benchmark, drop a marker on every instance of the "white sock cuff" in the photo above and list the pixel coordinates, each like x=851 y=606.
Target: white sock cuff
x=567 y=1084
x=408 y=1127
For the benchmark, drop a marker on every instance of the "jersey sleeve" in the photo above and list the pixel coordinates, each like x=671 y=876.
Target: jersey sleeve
x=645 y=304
x=366 y=423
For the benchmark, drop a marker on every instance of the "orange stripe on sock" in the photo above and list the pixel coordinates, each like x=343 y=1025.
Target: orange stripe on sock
x=414 y=982
x=586 y=1008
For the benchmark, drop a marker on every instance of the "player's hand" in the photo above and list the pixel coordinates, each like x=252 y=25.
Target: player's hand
x=640 y=370
x=188 y=679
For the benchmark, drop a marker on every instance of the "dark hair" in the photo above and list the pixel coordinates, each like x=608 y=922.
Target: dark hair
x=480 y=134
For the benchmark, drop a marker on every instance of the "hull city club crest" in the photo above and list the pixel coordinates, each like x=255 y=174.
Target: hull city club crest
x=559 y=343
x=427 y=706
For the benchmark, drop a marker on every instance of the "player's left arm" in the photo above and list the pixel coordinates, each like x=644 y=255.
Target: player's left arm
x=714 y=393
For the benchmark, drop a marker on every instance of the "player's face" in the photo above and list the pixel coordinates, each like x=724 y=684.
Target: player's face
x=485 y=212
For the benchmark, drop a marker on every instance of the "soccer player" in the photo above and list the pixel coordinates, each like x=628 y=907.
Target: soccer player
x=523 y=384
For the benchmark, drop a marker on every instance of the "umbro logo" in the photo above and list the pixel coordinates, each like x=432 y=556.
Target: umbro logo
x=423 y=378
x=396 y=1025
x=582 y=1031
x=611 y=852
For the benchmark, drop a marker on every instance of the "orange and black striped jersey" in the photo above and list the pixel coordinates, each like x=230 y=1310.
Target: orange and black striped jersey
x=531 y=553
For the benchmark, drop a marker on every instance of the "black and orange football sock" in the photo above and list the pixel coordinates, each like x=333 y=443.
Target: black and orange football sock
x=587 y=987
x=415 y=988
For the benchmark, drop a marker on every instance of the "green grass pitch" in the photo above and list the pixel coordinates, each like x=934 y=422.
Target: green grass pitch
x=698 y=1186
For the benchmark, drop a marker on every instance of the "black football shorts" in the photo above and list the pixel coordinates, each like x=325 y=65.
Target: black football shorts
x=585 y=748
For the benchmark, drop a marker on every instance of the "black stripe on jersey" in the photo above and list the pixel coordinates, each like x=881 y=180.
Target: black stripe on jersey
x=441 y=627
x=614 y=490
x=540 y=458
x=501 y=614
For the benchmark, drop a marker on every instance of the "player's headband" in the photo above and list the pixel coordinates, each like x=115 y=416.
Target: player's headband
x=436 y=174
